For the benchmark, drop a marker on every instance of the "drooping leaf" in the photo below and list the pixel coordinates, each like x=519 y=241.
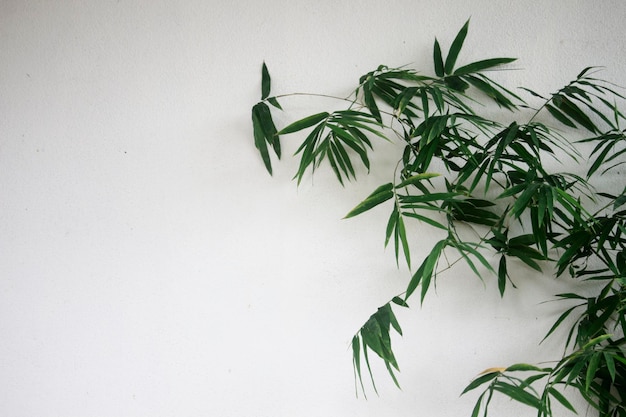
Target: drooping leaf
x=404 y=241
x=391 y=224
x=591 y=369
x=260 y=139
x=426 y=219
x=518 y=394
x=558 y=115
x=576 y=114
x=426 y=271
x=561 y=398
x=267 y=125
x=502 y=275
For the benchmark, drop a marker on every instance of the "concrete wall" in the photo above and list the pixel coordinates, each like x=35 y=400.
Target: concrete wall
x=150 y=267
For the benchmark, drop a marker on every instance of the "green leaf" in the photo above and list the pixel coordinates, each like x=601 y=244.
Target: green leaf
x=304 y=123
x=455 y=48
x=456 y=83
x=309 y=152
x=574 y=112
x=404 y=241
x=560 y=116
x=370 y=101
x=490 y=90
x=482 y=379
x=502 y=275
x=596 y=340
x=265 y=82
x=438 y=59
x=416 y=179
x=561 y=398
x=260 y=140
x=356 y=360
x=482 y=65
x=391 y=224
x=425 y=272
x=518 y=394
x=476 y=409
x=526 y=367
x=267 y=125
x=274 y=102
x=380 y=195
x=591 y=369
x=425 y=219
x=610 y=364
x=399 y=301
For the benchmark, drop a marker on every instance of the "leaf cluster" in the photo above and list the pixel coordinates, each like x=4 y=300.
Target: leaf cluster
x=460 y=170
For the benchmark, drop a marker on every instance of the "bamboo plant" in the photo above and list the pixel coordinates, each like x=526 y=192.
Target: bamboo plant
x=461 y=168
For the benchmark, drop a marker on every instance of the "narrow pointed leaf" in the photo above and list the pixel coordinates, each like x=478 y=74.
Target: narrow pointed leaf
x=481 y=380
x=455 y=48
x=561 y=398
x=265 y=82
x=304 y=123
x=260 y=140
x=560 y=116
x=437 y=58
x=482 y=65
x=274 y=102
x=417 y=178
x=391 y=224
x=380 y=195
x=404 y=241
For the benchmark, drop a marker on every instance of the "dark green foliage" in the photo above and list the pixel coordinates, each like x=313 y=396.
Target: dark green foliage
x=453 y=164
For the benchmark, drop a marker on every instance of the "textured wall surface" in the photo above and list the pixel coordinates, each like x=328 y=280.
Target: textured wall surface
x=150 y=267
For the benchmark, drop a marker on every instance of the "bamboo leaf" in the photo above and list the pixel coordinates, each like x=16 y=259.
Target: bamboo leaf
x=260 y=140
x=274 y=102
x=391 y=224
x=558 y=322
x=502 y=275
x=518 y=394
x=610 y=364
x=269 y=129
x=482 y=379
x=437 y=58
x=560 y=116
x=425 y=272
x=404 y=241
x=380 y=195
x=416 y=179
x=476 y=409
x=526 y=367
x=591 y=369
x=574 y=112
x=482 y=65
x=304 y=123
x=356 y=361
x=265 y=82
x=561 y=398
x=426 y=219
x=455 y=48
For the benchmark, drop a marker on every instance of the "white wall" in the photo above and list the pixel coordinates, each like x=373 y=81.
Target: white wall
x=148 y=264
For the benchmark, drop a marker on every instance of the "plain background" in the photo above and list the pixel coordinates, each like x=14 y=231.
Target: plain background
x=149 y=266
